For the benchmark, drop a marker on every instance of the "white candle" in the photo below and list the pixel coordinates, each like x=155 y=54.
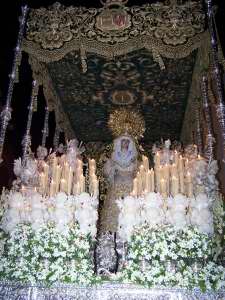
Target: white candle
x=181 y=182
x=82 y=183
x=152 y=181
x=65 y=172
x=174 y=186
x=63 y=185
x=52 y=189
x=189 y=185
x=42 y=183
x=142 y=177
x=173 y=170
x=46 y=173
x=70 y=181
x=145 y=162
x=57 y=177
x=23 y=190
x=158 y=178
x=54 y=166
x=157 y=159
x=181 y=164
x=186 y=163
x=135 y=187
x=176 y=157
x=163 y=187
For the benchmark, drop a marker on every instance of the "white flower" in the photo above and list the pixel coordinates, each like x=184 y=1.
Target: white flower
x=60 y=200
x=16 y=200
x=154 y=200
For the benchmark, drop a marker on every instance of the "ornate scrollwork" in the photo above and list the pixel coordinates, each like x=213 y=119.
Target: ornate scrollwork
x=175 y=24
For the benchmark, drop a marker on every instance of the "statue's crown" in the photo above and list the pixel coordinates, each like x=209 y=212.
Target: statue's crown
x=126 y=122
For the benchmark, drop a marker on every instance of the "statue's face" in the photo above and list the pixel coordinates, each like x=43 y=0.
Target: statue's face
x=167 y=143
x=125 y=144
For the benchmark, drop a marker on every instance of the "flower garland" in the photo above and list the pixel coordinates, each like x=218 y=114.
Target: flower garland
x=47 y=256
x=164 y=256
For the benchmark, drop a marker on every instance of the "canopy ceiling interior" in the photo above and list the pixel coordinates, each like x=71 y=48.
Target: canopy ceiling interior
x=92 y=61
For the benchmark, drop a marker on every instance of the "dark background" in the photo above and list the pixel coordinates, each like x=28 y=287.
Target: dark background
x=8 y=32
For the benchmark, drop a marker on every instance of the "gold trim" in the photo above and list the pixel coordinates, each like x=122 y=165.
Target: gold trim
x=111 y=51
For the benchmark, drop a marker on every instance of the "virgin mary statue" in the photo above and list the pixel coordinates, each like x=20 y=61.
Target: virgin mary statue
x=119 y=170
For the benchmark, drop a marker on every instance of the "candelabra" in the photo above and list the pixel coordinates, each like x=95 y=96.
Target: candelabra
x=6 y=113
x=45 y=131
x=27 y=138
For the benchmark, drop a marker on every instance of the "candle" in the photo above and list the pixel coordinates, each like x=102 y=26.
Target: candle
x=142 y=177
x=52 y=189
x=158 y=178
x=145 y=162
x=176 y=157
x=148 y=181
x=199 y=157
x=139 y=184
x=166 y=175
x=163 y=187
x=82 y=183
x=174 y=186
x=42 y=183
x=135 y=187
x=188 y=177
x=181 y=182
x=46 y=172
x=152 y=181
x=189 y=185
x=76 y=188
x=23 y=190
x=54 y=166
x=190 y=190
x=157 y=159
x=181 y=164
x=92 y=163
x=70 y=181
x=57 y=177
x=79 y=163
x=95 y=188
x=173 y=170
x=186 y=164
x=65 y=172
x=63 y=185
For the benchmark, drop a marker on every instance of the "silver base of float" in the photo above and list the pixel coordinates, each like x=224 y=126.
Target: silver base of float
x=105 y=291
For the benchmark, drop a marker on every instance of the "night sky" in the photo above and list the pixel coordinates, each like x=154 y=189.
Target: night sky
x=9 y=14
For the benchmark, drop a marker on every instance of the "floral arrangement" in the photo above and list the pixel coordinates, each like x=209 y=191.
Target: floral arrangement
x=61 y=210
x=48 y=240
x=152 y=209
x=165 y=256
x=46 y=256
